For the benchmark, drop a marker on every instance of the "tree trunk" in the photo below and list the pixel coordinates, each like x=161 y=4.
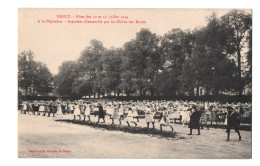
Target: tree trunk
x=98 y=94
x=198 y=88
x=239 y=72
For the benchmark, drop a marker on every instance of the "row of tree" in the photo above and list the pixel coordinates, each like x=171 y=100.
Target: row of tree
x=216 y=57
x=34 y=78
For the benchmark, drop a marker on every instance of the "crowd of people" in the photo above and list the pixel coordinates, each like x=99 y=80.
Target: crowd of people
x=196 y=114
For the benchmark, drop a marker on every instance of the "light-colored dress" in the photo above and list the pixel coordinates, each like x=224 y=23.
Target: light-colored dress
x=185 y=116
x=130 y=116
x=24 y=106
x=87 y=110
x=110 y=110
x=77 y=110
x=149 y=115
x=59 y=111
x=70 y=108
x=165 y=119
x=115 y=114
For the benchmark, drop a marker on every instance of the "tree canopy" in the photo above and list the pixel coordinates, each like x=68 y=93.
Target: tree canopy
x=176 y=63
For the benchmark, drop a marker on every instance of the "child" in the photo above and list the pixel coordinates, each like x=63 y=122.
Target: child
x=76 y=111
x=149 y=116
x=130 y=117
x=165 y=120
x=87 y=111
x=115 y=114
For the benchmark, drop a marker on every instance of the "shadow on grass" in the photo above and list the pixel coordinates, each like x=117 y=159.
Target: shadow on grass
x=134 y=130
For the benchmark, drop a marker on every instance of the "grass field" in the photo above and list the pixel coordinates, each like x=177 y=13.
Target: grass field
x=48 y=137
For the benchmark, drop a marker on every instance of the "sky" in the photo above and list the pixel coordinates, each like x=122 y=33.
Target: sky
x=54 y=43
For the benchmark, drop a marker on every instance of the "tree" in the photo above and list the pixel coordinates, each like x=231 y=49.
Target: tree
x=209 y=66
x=175 y=48
x=43 y=81
x=143 y=59
x=112 y=61
x=33 y=77
x=91 y=65
x=68 y=73
x=240 y=23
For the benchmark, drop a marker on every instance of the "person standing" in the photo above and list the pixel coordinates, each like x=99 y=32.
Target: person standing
x=88 y=108
x=115 y=114
x=194 y=120
x=130 y=117
x=149 y=116
x=101 y=114
x=51 y=109
x=76 y=111
x=232 y=122
x=165 y=121
x=24 y=107
x=59 y=111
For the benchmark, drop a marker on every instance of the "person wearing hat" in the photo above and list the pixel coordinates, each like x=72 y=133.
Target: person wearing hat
x=194 y=120
x=101 y=113
x=232 y=122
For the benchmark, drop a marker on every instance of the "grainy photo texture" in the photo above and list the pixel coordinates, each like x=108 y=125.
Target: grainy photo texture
x=135 y=83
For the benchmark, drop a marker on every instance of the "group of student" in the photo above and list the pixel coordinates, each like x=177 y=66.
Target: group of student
x=195 y=114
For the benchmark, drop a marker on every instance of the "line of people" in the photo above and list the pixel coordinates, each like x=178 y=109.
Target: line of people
x=195 y=114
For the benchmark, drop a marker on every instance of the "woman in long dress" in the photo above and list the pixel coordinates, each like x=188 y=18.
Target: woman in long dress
x=232 y=122
x=195 y=120
x=101 y=113
x=51 y=109
x=59 y=113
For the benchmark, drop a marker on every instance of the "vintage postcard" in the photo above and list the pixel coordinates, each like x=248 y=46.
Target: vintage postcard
x=134 y=83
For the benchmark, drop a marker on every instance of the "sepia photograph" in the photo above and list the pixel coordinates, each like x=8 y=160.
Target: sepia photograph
x=132 y=83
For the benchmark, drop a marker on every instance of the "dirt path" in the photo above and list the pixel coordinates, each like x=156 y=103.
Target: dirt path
x=79 y=141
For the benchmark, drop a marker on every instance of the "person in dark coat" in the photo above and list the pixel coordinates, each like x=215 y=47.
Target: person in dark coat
x=232 y=122
x=195 y=120
x=101 y=113
x=51 y=109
